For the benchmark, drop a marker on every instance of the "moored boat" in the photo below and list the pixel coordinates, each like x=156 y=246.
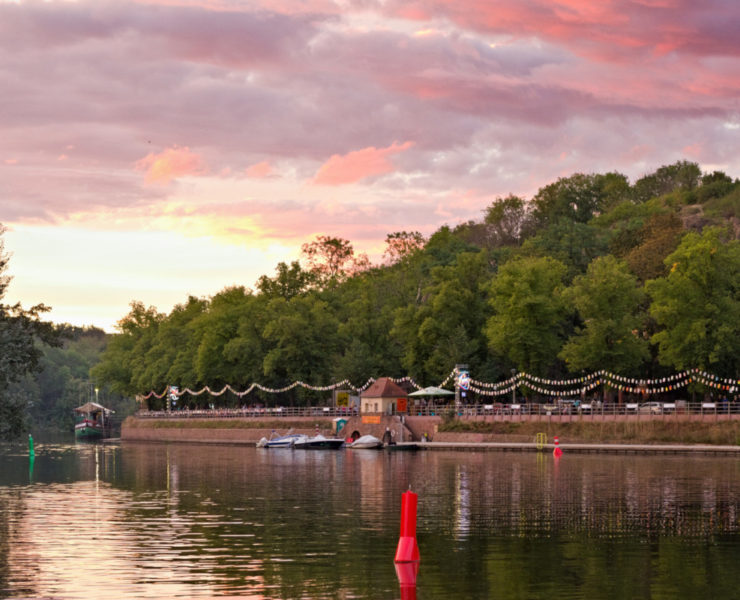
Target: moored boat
x=318 y=442
x=92 y=421
x=366 y=442
x=279 y=441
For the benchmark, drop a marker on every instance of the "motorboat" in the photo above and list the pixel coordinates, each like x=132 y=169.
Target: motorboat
x=318 y=442
x=366 y=442
x=280 y=441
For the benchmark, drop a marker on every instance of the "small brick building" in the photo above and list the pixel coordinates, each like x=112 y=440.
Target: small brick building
x=383 y=397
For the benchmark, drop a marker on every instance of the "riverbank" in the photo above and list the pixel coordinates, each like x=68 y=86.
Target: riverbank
x=656 y=430
x=666 y=431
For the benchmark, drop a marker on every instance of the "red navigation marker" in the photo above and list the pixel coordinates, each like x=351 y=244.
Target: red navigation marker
x=408 y=550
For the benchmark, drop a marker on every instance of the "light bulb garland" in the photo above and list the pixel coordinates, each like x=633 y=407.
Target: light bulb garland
x=546 y=387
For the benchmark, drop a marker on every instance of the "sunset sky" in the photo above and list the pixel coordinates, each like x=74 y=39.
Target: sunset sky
x=151 y=150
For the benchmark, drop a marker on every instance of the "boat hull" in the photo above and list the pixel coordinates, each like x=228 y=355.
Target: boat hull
x=366 y=442
x=320 y=445
x=286 y=441
x=88 y=432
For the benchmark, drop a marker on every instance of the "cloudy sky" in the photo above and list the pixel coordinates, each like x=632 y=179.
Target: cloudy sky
x=155 y=149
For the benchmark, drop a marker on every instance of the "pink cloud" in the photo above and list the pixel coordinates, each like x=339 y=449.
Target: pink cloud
x=259 y=170
x=695 y=151
x=611 y=30
x=170 y=164
x=358 y=165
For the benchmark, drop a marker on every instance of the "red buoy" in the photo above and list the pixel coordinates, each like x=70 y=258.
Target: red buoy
x=557 y=453
x=408 y=550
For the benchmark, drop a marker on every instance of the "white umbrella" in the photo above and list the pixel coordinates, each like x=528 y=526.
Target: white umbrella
x=432 y=391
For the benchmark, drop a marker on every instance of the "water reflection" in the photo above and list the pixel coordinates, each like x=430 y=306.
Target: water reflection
x=156 y=520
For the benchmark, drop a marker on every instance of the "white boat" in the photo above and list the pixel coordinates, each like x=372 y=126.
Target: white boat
x=318 y=442
x=366 y=442
x=280 y=441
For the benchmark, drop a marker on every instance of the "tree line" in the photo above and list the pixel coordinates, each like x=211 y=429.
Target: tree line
x=591 y=273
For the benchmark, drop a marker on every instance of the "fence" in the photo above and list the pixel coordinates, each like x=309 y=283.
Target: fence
x=534 y=411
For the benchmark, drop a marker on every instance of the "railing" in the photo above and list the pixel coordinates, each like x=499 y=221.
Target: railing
x=570 y=410
x=598 y=409
x=278 y=412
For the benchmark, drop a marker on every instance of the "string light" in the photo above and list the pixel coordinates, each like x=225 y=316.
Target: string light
x=547 y=387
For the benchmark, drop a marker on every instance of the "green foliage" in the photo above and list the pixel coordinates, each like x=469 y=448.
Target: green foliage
x=443 y=328
x=505 y=220
x=289 y=281
x=577 y=198
x=21 y=330
x=725 y=207
x=493 y=294
x=303 y=340
x=572 y=243
x=608 y=301
x=698 y=305
x=682 y=175
x=64 y=382
x=715 y=185
x=656 y=239
x=529 y=313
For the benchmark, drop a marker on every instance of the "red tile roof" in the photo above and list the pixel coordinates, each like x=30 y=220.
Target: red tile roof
x=384 y=388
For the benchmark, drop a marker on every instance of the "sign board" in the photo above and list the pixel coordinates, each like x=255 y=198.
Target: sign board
x=342 y=398
x=463 y=380
x=371 y=419
x=401 y=404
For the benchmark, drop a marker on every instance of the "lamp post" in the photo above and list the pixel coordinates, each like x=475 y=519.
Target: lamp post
x=513 y=387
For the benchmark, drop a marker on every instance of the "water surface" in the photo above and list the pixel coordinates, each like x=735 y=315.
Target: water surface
x=186 y=521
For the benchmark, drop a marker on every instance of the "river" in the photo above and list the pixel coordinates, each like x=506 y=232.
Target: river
x=135 y=520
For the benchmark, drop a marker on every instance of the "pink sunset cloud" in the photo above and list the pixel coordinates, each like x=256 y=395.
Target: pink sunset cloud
x=267 y=96
x=259 y=170
x=170 y=164
x=358 y=165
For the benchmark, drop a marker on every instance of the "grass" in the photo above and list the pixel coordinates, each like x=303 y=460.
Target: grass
x=652 y=431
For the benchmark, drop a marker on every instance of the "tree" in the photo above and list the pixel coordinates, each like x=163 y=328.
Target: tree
x=332 y=259
x=578 y=198
x=682 y=175
x=444 y=328
x=288 y=282
x=302 y=335
x=505 y=221
x=20 y=329
x=401 y=244
x=658 y=238
x=124 y=365
x=529 y=313
x=608 y=300
x=698 y=305
x=222 y=355
x=570 y=242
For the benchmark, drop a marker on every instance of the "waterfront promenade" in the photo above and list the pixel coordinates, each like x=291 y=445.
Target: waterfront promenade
x=424 y=431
